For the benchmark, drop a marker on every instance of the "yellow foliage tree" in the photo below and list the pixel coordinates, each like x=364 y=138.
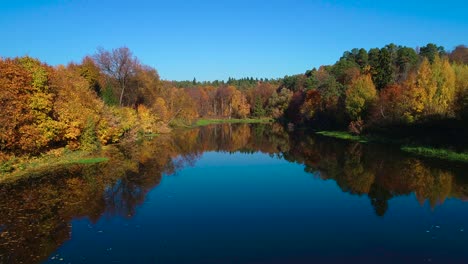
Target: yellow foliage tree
x=41 y=105
x=360 y=96
x=239 y=104
x=461 y=88
x=76 y=105
x=435 y=86
x=146 y=119
x=180 y=106
x=160 y=109
x=426 y=86
x=415 y=96
x=444 y=78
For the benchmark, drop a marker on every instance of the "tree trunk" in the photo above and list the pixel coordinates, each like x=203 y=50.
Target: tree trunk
x=121 y=94
x=222 y=107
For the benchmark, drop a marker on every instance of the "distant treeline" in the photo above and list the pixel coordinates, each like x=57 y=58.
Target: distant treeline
x=241 y=84
x=111 y=94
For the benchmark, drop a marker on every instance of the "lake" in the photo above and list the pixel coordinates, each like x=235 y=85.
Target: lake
x=241 y=194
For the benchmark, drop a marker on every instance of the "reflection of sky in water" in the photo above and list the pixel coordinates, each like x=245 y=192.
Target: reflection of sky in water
x=236 y=159
x=252 y=208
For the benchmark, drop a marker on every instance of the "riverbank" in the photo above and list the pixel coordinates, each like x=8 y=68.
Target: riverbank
x=25 y=167
x=424 y=151
x=343 y=135
x=438 y=153
x=208 y=121
x=16 y=168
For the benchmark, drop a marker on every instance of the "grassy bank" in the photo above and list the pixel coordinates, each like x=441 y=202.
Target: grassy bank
x=205 y=122
x=19 y=168
x=438 y=153
x=23 y=167
x=343 y=135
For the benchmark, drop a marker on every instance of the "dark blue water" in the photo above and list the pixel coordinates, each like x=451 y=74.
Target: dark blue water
x=236 y=204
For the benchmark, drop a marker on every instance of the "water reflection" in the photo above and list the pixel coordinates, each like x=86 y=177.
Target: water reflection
x=35 y=215
x=382 y=173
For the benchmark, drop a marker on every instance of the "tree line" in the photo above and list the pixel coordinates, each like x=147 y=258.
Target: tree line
x=364 y=89
x=111 y=94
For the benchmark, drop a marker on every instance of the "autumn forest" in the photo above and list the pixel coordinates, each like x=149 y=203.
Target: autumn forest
x=111 y=95
x=104 y=161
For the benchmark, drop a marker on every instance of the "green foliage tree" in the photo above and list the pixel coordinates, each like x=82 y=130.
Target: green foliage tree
x=91 y=72
x=407 y=60
x=341 y=69
x=362 y=58
x=88 y=139
x=108 y=96
x=279 y=102
x=430 y=51
x=258 y=110
x=384 y=73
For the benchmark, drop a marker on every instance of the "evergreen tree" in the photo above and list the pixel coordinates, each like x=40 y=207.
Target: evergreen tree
x=384 y=73
x=258 y=110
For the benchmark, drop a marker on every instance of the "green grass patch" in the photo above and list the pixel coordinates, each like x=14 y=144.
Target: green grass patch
x=438 y=153
x=205 y=122
x=92 y=160
x=24 y=167
x=343 y=135
x=359 y=138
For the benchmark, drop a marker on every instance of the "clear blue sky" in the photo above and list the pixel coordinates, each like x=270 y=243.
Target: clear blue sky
x=217 y=39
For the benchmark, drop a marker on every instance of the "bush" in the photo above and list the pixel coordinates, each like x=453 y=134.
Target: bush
x=89 y=140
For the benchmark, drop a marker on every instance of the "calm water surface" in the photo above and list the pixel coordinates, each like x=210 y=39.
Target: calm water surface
x=241 y=194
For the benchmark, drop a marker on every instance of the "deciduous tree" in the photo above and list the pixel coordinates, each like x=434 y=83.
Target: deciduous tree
x=360 y=95
x=119 y=64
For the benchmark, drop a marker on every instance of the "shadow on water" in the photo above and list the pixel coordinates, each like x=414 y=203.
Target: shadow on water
x=36 y=215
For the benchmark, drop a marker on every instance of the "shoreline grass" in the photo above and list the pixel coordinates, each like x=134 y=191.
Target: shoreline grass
x=438 y=153
x=424 y=151
x=343 y=135
x=92 y=160
x=205 y=122
x=19 y=168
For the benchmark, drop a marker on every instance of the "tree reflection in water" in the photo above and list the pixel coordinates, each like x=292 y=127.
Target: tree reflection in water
x=36 y=214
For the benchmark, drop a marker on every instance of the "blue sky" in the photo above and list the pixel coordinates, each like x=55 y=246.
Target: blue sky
x=217 y=39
